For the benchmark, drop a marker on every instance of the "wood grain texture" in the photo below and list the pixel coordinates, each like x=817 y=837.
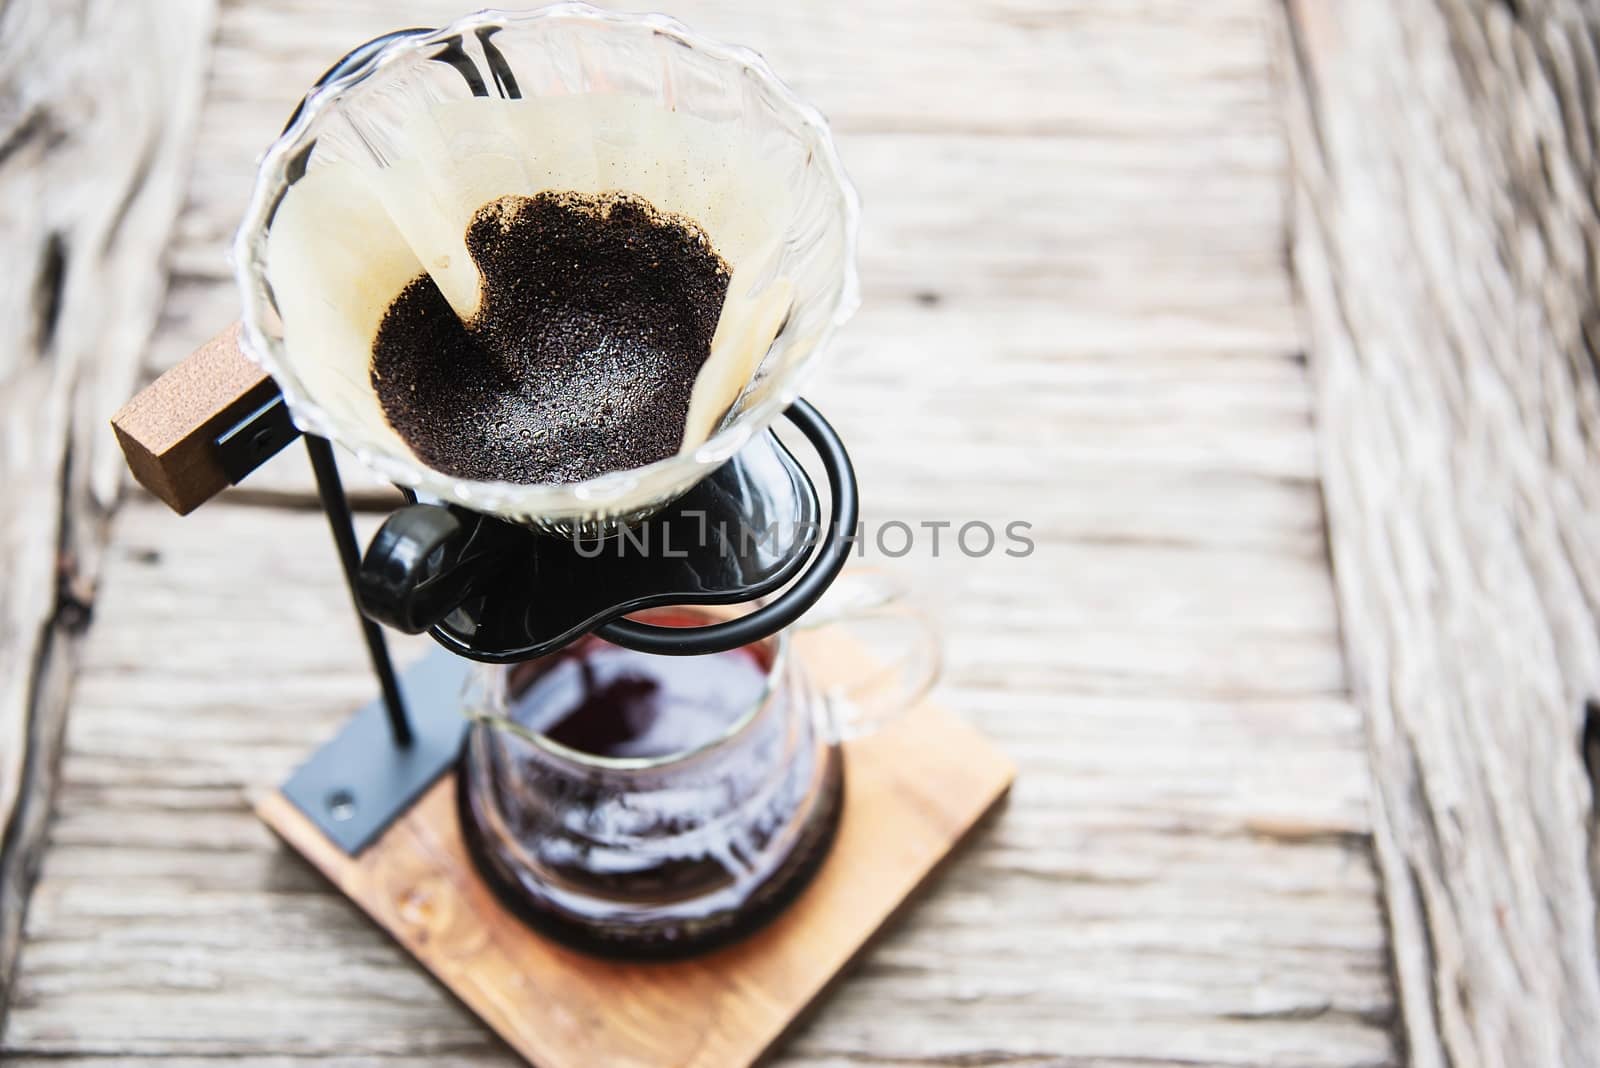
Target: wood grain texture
x=98 y=103
x=1179 y=875
x=914 y=793
x=167 y=431
x=1077 y=315
x=1445 y=235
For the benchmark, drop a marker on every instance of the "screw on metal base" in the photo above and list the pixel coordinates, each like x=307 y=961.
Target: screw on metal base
x=360 y=781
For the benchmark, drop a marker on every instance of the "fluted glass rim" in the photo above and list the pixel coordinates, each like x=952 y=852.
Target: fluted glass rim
x=589 y=497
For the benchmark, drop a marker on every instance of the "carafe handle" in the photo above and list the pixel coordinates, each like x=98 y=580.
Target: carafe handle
x=888 y=652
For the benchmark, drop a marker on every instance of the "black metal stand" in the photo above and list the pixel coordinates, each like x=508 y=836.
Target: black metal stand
x=337 y=508
x=361 y=780
x=393 y=748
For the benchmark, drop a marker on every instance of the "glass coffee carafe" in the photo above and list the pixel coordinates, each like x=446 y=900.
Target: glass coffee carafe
x=652 y=805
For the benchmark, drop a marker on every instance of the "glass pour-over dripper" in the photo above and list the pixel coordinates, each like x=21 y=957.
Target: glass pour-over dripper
x=374 y=181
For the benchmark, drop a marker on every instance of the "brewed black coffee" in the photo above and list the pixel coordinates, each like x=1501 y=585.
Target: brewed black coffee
x=596 y=314
x=688 y=835
x=607 y=701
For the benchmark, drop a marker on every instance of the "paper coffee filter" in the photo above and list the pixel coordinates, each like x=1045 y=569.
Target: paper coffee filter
x=350 y=234
x=336 y=263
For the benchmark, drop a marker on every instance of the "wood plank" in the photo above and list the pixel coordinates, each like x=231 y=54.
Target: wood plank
x=1445 y=230
x=563 y=1009
x=1078 y=315
x=98 y=104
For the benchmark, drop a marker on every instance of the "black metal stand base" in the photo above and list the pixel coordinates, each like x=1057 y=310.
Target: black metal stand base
x=363 y=779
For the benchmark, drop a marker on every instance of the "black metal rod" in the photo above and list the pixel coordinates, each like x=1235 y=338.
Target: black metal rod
x=808 y=588
x=337 y=507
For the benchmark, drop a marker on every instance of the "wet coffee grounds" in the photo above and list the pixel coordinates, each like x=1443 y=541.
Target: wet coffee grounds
x=595 y=316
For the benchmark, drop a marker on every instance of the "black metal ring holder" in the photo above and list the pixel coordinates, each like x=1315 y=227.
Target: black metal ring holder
x=491 y=591
x=737 y=536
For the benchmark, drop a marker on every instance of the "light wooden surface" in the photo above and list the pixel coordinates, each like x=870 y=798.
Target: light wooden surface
x=97 y=111
x=914 y=792
x=1078 y=314
x=1445 y=236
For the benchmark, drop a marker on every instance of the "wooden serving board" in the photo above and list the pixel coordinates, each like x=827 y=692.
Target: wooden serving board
x=913 y=792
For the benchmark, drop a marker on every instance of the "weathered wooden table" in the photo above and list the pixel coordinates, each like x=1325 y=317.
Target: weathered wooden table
x=1084 y=223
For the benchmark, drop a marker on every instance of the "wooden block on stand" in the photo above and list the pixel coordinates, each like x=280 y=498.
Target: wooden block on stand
x=167 y=430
